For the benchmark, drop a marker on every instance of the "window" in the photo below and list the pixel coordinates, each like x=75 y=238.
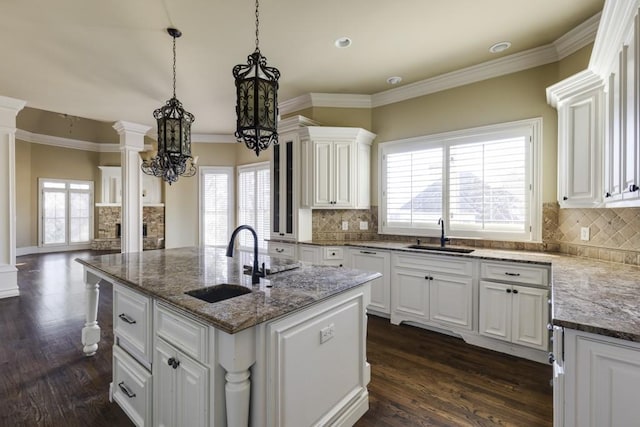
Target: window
x=482 y=181
x=66 y=212
x=254 y=203
x=216 y=205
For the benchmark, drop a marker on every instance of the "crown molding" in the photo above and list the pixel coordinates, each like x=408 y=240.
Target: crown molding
x=213 y=138
x=294 y=123
x=579 y=37
x=12 y=104
x=75 y=144
x=332 y=133
x=581 y=82
x=333 y=100
x=616 y=22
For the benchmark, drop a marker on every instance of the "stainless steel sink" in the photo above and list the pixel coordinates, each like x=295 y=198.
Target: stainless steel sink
x=219 y=292
x=442 y=249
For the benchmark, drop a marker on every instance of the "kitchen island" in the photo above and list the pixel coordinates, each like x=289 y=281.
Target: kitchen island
x=291 y=351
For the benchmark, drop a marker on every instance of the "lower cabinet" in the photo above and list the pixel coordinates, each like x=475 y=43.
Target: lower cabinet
x=180 y=389
x=517 y=314
x=380 y=262
x=432 y=290
x=602 y=379
x=131 y=387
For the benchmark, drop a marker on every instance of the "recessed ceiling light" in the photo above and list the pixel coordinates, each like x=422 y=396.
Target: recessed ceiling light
x=394 y=80
x=500 y=47
x=343 y=42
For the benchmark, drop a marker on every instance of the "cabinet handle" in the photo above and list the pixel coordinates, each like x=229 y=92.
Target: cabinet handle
x=549 y=327
x=565 y=198
x=508 y=291
x=428 y=277
x=633 y=188
x=368 y=252
x=127 y=319
x=607 y=194
x=126 y=390
x=333 y=254
x=282 y=234
x=552 y=358
x=512 y=274
x=340 y=265
x=515 y=291
x=279 y=250
x=173 y=363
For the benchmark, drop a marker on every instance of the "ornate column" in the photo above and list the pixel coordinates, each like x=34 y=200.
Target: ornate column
x=131 y=143
x=9 y=109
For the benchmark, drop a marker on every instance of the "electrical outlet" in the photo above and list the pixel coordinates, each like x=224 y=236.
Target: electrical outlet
x=327 y=333
x=364 y=225
x=584 y=233
x=345 y=225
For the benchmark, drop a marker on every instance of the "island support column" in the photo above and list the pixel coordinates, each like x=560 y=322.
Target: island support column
x=131 y=143
x=9 y=109
x=236 y=354
x=91 y=330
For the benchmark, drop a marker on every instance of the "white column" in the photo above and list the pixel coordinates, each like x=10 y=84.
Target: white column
x=131 y=143
x=9 y=109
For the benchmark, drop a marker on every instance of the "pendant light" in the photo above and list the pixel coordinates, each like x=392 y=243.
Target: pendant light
x=173 y=158
x=257 y=100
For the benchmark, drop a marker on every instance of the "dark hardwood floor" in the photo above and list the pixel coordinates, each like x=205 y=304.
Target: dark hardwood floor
x=418 y=377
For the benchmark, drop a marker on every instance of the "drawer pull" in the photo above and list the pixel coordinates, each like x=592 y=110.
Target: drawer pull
x=512 y=274
x=552 y=358
x=127 y=319
x=508 y=291
x=515 y=291
x=173 y=363
x=367 y=252
x=126 y=390
x=279 y=250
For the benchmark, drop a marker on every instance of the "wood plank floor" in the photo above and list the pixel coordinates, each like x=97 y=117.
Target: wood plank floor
x=419 y=377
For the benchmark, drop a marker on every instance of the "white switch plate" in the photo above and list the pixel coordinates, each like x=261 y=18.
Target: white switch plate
x=345 y=225
x=326 y=333
x=364 y=225
x=584 y=233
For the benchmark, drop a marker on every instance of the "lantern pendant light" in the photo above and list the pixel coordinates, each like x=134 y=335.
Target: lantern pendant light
x=173 y=158
x=256 y=100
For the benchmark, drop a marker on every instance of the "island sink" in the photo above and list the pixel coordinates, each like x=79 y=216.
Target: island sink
x=442 y=249
x=219 y=292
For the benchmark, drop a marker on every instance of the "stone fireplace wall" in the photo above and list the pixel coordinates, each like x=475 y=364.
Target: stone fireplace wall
x=110 y=216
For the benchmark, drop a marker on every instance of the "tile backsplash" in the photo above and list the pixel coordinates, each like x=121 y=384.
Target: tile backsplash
x=614 y=233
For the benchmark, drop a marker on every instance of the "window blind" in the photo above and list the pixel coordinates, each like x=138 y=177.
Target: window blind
x=254 y=200
x=215 y=206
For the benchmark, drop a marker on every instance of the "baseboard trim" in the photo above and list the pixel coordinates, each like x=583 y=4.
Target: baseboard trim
x=30 y=250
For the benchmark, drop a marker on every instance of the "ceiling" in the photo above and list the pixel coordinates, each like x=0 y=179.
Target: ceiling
x=111 y=60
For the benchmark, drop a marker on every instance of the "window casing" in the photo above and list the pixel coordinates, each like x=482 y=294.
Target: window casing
x=254 y=203
x=65 y=212
x=484 y=182
x=216 y=205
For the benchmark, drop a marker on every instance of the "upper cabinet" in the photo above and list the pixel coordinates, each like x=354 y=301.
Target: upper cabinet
x=337 y=167
x=579 y=100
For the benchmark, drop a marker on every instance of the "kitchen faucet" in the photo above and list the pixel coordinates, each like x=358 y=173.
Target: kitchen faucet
x=443 y=240
x=256 y=273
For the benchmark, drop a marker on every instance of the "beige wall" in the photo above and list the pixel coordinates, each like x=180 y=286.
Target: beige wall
x=25 y=204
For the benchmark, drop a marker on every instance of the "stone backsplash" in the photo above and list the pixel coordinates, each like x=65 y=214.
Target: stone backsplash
x=110 y=216
x=614 y=233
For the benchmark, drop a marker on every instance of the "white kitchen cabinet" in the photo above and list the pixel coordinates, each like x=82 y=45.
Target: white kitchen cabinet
x=338 y=172
x=131 y=387
x=517 y=314
x=433 y=290
x=281 y=249
x=380 y=262
x=181 y=388
x=601 y=381
x=309 y=253
x=579 y=100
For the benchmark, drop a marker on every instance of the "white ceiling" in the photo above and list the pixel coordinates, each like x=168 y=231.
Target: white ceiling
x=111 y=60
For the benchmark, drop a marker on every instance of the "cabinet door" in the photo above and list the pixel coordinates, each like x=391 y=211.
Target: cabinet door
x=380 y=262
x=164 y=386
x=410 y=295
x=310 y=254
x=450 y=300
x=343 y=169
x=579 y=151
x=283 y=187
x=322 y=174
x=530 y=315
x=602 y=381
x=495 y=310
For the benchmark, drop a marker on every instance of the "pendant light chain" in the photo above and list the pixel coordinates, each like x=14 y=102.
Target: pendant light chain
x=174 y=66
x=257 y=26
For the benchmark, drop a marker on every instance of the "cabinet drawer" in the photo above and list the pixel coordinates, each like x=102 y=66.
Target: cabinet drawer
x=131 y=387
x=440 y=264
x=185 y=333
x=132 y=321
x=332 y=253
x=282 y=250
x=515 y=273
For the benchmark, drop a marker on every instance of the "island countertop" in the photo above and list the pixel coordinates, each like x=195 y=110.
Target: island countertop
x=167 y=274
x=587 y=295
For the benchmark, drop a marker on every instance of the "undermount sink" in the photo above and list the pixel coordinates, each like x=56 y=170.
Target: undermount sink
x=219 y=292
x=442 y=249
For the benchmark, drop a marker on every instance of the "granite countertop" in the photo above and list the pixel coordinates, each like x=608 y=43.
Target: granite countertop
x=167 y=274
x=588 y=295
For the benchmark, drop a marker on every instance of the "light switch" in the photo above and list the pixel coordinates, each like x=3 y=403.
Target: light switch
x=326 y=333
